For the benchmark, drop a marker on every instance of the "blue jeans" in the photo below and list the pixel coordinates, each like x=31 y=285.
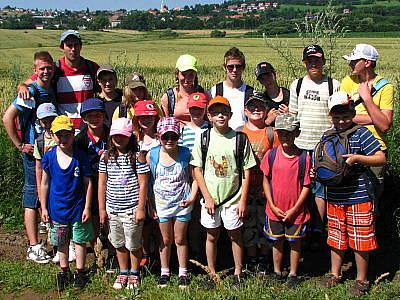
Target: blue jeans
x=29 y=197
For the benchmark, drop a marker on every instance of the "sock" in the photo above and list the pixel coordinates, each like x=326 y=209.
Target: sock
x=134 y=272
x=165 y=271
x=182 y=271
x=65 y=269
x=123 y=272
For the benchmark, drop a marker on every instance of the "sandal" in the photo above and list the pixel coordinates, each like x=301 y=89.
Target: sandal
x=329 y=280
x=359 y=288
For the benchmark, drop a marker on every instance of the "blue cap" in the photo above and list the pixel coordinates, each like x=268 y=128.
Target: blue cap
x=46 y=110
x=69 y=32
x=92 y=104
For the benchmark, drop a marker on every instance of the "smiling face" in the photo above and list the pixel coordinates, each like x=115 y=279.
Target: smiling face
x=219 y=114
x=255 y=111
x=64 y=139
x=44 y=70
x=107 y=82
x=186 y=79
x=169 y=140
x=146 y=122
x=234 y=68
x=94 y=118
x=342 y=119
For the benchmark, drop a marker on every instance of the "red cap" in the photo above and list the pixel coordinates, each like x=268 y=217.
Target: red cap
x=145 y=108
x=197 y=100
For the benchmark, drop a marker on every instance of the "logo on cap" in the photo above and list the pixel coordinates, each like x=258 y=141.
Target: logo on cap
x=150 y=106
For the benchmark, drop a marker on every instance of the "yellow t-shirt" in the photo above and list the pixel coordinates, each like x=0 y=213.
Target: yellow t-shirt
x=383 y=99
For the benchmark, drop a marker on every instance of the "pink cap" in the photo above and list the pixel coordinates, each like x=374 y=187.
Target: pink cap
x=122 y=126
x=168 y=124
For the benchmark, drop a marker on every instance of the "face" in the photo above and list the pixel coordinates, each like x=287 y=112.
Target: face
x=255 y=110
x=234 y=69
x=139 y=92
x=219 y=115
x=314 y=65
x=64 y=138
x=286 y=138
x=146 y=122
x=45 y=123
x=358 y=66
x=107 y=82
x=94 y=119
x=72 y=48
x=268 y=79
x=169 y=140
x=44 y=70
x=187 y=78
x=120 y=142
x=342 y=121
x=197 y=113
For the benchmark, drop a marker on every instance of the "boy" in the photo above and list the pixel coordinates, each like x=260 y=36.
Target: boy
x=350 y=207
x=223 y=189
x=233 y=87
x=286 y=207
x=65 y=198
x=261 y=139
x=25 y=110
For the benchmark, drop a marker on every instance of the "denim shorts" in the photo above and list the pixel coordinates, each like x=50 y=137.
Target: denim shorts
x=318 y=189
x=184 y=218
x=62 y=233
x=29 y=198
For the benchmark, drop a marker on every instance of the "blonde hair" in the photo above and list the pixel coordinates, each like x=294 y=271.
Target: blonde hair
x=129 y=98
x=195 y=83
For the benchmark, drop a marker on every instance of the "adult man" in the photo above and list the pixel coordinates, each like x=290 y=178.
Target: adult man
x=41 y=92
x=74 y=80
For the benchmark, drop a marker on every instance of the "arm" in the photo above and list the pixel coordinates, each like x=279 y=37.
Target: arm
x=143 y=179
x=22 y=89
x=375 y=160
x=164 y=104
x=267 y=191
x=44 y=190
x=291 y=213
x=245 y=192
x=38 y=171
x=102 y=197
x=193 y=195
x=87 y=182
x=293 y=103
x=209 y=201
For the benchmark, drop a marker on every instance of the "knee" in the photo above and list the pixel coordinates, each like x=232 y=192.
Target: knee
x=180 y=240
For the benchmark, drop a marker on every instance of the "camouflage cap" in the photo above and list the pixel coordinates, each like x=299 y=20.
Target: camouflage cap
x=286 y=122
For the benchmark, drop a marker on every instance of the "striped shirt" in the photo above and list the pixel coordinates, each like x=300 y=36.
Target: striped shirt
x=311 y=108
x=122 y=183
x=190 y=134
x=358 y=188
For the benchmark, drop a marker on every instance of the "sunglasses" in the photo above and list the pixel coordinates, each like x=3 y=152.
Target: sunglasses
x=170 y=136
x=254 y=107
x=215 y=113
x=233 y=66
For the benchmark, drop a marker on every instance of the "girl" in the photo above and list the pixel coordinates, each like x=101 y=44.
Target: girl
x=169 y=164
x=123 y=177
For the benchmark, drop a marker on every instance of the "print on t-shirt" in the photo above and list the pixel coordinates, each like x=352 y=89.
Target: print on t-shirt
x=312 y=95
x=220 y=169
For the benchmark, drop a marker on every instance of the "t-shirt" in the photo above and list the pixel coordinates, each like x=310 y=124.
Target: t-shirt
x=356 y=189
x=221 y=173
x=236 y=100
x=311 y=108
x=285 y=193
x=260 y=144
x=48 y=144
x=66 y=199
x=275 y=104
x=147 y=146
x=190 y=134
x=110 y=106
x=122 y=189
x=383 y=99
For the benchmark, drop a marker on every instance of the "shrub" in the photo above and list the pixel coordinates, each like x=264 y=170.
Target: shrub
x=218 y=34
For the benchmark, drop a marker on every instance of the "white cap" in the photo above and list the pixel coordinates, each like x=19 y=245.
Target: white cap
x=363 y=51
x=338 y=98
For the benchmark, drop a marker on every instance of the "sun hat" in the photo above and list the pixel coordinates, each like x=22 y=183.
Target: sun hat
x=263 y=68
x=145 y=108
x=313 y=50
x=61 y=123
x=105 y=68
x=46 y=110
x=339 y=98
x=219 y=100
x=167 y=124
x=69 y=32
x=186 y=62
x=197 y=100
x=121 y=126
x=92 y=104
x=362 y=51
x=286 y=122
x=135 y=80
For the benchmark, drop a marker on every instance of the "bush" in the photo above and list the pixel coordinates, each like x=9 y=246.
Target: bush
x=218 y=34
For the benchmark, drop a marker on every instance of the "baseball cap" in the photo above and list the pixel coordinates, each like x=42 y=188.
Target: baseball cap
x=313 y=50
x=105 y=68
x=257 y=96
x=46 y=110
x=364 y=51
x=92 y=104
x=145 y=108
x=61 y=123
x=286 y=122
x=122 y=126
x=168 y=124
x=339 y=98
x=219 y=100
x=186 y=62
x=264 y=68
x=135 y=80
x=197 y=100
x=69 y=32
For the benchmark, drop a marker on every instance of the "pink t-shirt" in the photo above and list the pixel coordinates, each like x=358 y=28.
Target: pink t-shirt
x=285 y=184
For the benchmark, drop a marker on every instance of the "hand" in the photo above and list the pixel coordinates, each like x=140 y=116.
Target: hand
x=186 y=203
x=27 y=148
x=351 y=160
x=241 y=209
x=364 y=91
x=277 y=212
x=283 y=108
x=45 y=215
x=140 y=215
x=312 y=173
x=290 y=215
x=23 y=92
x=210 y=206
x=272 y=114
x=103 y=216
x=86 y=215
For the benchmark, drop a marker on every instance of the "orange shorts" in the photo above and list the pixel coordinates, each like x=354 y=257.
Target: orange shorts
x=352 y=225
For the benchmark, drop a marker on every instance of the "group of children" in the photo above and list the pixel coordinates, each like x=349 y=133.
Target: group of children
x=255 y=181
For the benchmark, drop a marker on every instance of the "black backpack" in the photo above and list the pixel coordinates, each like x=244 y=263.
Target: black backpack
x=172 y=99
x=300 y=82
x=219 y=91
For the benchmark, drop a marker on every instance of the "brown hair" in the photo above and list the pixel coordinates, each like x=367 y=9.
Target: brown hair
x=235 y=53
x=133 y=149
x=44 y=56
x=195 y=83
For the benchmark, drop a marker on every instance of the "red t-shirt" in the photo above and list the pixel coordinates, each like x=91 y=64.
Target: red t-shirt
x=285 y=184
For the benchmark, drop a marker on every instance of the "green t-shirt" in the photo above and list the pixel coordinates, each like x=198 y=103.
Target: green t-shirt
x=221 y=174
x=48 y=144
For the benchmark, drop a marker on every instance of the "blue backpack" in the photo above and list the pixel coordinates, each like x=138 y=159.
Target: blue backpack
x=183 y=158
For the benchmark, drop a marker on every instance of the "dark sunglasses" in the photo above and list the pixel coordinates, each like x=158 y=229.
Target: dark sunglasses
x=232 y=67
x=254 y=107
x=170 y=136
x=215 y=113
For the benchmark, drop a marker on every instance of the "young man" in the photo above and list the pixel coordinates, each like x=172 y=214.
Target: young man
x=233 y=87
x=350 y=208
x=25 y=111
x=376 y=110
x=223 y=189
x=309 y=103
x=74 y=80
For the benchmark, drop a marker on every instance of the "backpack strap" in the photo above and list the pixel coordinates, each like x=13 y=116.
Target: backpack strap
x=377 y=86
x=249 y=91
x=270 y=135
x=302 y=167
x=219 y=89
x=122 y=110
x=298 y=86
x=184 y=157
x=204 y=141
x=154 y=159
x=241 y=139
x=171 y=102
x=330 y=86
x=40 y=143
x=271 y=160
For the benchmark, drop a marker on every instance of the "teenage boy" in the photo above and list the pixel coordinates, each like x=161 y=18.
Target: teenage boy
x=376 y=110
x=25 y=111
x=65 y=198
x=350 y=208
x=233 y=87
x=309 y=103
x=74 y=80
x=261 y=139
x=221 y=181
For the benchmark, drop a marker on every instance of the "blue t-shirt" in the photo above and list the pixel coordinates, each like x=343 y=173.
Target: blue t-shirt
x=357 y=189
x=189 y=135
x=30 y=128
x=66 y=199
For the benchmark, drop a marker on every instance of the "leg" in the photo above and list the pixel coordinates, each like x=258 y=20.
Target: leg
x=63 y=249
x=336 y=261
x=295 y=253
x=80 y=250
x=277 y=255
x=180 y=232
x=30 y=215
x=211 y=248
x=136 y=256
x=362 y=259
x=237 y=249
x=321 y=206
x=166 y=241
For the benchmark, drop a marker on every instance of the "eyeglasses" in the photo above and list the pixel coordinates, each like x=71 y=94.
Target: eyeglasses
x=170 y=136
x=215 y=113
x=254 y=107
x=234 y=66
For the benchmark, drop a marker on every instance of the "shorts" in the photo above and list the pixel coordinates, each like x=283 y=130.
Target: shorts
x=184 y=218
x=30 y=198
x=227 y=215
x=352 y=225
x=318 y=189
x=278 y=230
x=253 y=223
x=62 y=233
x=124 y=231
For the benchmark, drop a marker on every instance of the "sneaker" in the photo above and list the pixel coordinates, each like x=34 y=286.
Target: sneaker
x=37 y=254
x=237 y=282
x=163 y=281
x=42 y=228
x=359 y=288
x=329 y=280
x=133 y=281
x=251 y=265
x=80 y=280
x=120 y=282
x=92 y=269
x=63 y=279
x=274 y=276
x=56 y=258
x=184 y=282
x=71 y=255
x=292 y=281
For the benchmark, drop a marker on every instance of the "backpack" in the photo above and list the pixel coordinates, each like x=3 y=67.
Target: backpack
x=375 y=89
x=40 y=143
x=329 y=165
x=183 y=158
x=219 y=90
x=302 y=164
x=241 y=139
x=122 y=113
x=300 y=82
x=172 y=99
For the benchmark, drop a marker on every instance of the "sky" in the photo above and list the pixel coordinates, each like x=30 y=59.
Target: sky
x=101 y=4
